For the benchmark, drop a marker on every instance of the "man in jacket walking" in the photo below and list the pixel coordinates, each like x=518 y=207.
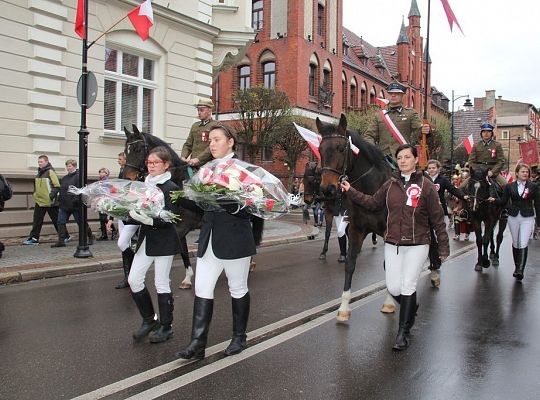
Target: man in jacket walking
x=46 y=187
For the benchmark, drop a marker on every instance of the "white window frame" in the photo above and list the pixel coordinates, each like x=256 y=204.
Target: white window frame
x=505 y=134
x=138 y=81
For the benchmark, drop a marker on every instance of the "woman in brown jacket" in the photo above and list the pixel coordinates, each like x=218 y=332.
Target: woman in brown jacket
x=412 y=203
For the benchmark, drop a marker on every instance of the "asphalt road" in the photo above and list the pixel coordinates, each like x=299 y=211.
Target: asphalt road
x=474 y=338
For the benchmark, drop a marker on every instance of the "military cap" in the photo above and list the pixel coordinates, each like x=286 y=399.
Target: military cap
x=205 y=103
x=396 y=87
x=486 y=127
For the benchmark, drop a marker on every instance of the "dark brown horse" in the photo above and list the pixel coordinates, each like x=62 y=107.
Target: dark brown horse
x=366 y=171
x=483 y=211
x=138 y=145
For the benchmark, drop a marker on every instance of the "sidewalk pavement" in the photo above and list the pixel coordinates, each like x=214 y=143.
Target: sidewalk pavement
x=22 y=263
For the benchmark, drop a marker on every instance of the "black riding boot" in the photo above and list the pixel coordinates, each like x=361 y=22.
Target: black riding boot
x=62 y=232
x=202 y=315
x=146 y=308
x=240 y=312
x=166 y=307
x=342 y=249
x=521 y=260
x=127 y=259
x=407 y=313
x=516 y=260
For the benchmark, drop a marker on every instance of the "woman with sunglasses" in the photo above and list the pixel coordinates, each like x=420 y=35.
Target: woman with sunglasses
x=226 y=243
x=157 y=243
x=413 y=208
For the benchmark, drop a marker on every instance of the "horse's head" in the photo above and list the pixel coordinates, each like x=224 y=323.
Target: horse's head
x=335 y=154
x=312 y=181
x=136 y=152
x=478 y=187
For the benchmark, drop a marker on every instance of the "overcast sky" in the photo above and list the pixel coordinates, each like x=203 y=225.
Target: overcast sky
x=500 y=49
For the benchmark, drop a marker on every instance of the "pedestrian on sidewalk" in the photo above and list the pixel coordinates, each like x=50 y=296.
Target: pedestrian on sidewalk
x=46 y=188
x=525 y=200
x=413 y=207
x=69 y=204
x=227 y=241
x=157 y=243
x=5 y=194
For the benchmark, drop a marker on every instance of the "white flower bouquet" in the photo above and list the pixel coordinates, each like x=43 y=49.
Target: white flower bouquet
x=117 y=197
x=224 y=182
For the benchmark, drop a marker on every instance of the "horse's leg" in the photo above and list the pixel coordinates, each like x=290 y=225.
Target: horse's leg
x=477 y=227
x=342 y=240
x=184 y=253
x=488 y=235
x=389 y=305
x=503 y=221
x=328 y=229
x=355 y=244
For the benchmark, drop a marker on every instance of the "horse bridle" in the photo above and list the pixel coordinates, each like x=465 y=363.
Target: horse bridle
x=343 y=174
x=141 y=171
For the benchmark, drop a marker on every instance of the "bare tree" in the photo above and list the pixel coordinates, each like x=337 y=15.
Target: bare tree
x=261 y=111
x=361 y=120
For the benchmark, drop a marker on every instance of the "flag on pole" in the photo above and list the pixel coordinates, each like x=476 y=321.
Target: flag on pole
x=468 y=143
x=313 y=140
x=142 y=18
x=450 y=15
x=79 y=19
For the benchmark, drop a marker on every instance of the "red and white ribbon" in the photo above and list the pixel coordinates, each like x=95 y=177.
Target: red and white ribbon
x=413 y=193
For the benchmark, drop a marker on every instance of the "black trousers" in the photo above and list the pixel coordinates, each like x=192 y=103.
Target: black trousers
x=39 y=215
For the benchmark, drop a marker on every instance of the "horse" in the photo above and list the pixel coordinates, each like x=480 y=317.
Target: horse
x=366 y=171
x=483 y=211
x=312 y=183
x=138 y=146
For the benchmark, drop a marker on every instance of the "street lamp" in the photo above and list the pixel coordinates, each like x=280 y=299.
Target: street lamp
x=466 y=104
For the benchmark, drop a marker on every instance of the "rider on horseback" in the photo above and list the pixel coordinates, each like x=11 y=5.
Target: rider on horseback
x=489 y=152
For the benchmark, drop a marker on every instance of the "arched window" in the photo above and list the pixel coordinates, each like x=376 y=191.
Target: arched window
x=344 y=96
x=269 y=75
x=354 y=94
x=363 y=96
x=313 y=82
x=372 y=94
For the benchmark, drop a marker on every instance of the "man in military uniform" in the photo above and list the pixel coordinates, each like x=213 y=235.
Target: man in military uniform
x=195 y=150
x=488 y=152
x=406 y=120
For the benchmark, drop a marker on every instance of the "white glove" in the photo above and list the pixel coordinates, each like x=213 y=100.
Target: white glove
x=144 y=219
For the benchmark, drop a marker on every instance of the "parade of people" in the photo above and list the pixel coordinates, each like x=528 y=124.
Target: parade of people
x=186 y=190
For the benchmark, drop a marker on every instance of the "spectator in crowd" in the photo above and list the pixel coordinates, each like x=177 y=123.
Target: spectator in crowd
x=5 y=194
x=46 y=188
x=69 y=204
x=104 y=218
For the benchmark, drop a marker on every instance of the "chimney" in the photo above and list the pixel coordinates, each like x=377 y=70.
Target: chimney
x=490 y=99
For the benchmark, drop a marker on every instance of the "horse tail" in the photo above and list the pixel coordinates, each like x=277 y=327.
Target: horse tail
x=257 y=226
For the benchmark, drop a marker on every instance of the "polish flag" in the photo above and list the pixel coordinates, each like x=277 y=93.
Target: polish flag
x=468 y=143
x=450 y=15
x=354 y=149
x=79 y=20
x=313 y=140
x=142 y=18
x=381 y=102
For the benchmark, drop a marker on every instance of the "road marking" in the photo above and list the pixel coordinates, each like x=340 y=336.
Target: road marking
x=358 y=298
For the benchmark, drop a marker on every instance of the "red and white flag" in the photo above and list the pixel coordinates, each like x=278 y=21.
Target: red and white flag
x=381 y=102
x=313 y=140
x=450 y=15
x=142 y=18
x=468 y=143
x=79 y=19
x=354 y=149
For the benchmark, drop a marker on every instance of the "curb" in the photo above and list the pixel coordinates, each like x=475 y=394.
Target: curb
x=13 y=277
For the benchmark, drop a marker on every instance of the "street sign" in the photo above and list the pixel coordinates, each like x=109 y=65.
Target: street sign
x=91 y=91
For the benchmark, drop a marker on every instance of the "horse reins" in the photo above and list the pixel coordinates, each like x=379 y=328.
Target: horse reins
x=141 y=171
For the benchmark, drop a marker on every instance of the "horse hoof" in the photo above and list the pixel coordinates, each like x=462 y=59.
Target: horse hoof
x=495 y=262
x=486 y=263
x=492 y=256
x=388 y=309
x=435 y=279
x=341 y=259
x=252 y=266
x=322 y=257
x=343 y=316
x=478 y=267
x=185 y=285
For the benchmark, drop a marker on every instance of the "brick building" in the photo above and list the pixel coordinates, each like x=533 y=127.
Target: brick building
x=303 y=49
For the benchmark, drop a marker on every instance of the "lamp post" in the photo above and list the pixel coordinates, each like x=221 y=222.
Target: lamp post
x=467 y=104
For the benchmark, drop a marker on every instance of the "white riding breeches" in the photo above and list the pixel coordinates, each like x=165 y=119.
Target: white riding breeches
x=141 y=264
x=521 y=229
x=209 y=268
x=403 y=265
x=126 y=232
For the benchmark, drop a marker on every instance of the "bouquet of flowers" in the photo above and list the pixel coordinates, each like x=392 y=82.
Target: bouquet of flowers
x=117 y=197
x=235 y=182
